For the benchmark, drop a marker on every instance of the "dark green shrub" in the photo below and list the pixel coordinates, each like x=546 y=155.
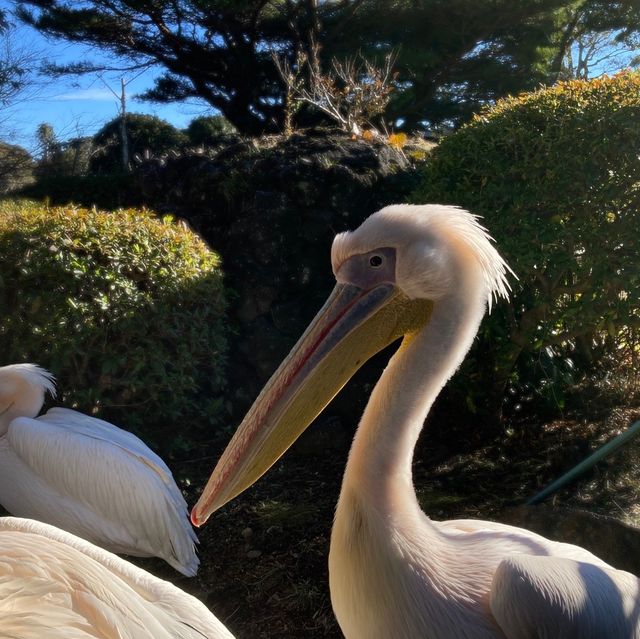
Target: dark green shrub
x=16 y=168
x=208 y=129
x=556 y=176
x=144 y=133
x=127 y=311
x=272 y=207
x=105 y=191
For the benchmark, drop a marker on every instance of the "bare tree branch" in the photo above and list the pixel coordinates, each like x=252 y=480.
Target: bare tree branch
x=596 y=53
x=351 y=94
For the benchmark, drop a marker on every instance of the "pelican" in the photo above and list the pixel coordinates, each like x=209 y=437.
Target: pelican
x=87 y=476
x=427 y=274
x=56 y=585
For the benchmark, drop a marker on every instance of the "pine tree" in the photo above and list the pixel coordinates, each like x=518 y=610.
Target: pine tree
x=452 y=55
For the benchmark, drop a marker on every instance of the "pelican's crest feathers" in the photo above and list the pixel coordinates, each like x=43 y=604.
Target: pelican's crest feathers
x=33 y=375
x=396 y=224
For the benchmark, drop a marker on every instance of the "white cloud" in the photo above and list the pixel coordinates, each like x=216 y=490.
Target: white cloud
x=94 y=95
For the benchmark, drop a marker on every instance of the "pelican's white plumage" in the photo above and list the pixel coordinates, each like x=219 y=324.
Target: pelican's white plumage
x=54 y=585
x=87 y=476
x=428 y=273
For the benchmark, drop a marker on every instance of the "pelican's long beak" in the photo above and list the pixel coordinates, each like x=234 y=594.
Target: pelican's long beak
x=352 y=326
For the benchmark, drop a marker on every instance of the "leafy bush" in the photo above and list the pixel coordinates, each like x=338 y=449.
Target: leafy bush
x=144 y=133
x=556 y=176
x=125 y=309
x=207 y=130
x=16 y=167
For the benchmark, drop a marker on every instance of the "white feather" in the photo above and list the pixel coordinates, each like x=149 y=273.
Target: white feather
x=393 y=571
x=90 y=477
x=55 y=585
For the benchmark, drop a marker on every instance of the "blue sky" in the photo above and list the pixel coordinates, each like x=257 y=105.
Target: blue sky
x=75 y=105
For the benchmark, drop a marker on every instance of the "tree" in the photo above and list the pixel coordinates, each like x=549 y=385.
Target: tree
x=74 y=155
x=71 y=157
x=597 y=44
x=352 y=94
x=594 y=54
x=15 y=63
x=217 y=51
x=454 y=54
x=47 y=142
x=57 y=158
x=597 y=36
x=144 y=133
x=16 y=167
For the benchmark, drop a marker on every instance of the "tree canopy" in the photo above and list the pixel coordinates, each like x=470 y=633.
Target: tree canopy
x=453 y=55
x=598 y=37
x=217 y=51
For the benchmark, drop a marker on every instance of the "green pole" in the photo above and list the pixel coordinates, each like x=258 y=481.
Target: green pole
x=585 y=465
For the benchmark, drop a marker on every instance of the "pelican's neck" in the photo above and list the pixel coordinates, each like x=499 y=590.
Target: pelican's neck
x=381 y=456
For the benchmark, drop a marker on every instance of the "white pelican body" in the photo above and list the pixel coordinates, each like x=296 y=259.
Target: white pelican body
x=54 y=585
x=425 y=273
x=87 y=476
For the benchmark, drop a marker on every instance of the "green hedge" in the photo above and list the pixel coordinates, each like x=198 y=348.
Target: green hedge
x=556 y=176
x=127 y=310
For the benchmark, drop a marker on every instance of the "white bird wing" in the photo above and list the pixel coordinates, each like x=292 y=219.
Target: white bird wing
x=56 y=585
x=136 y=505
x=517 y=540
x=547 y=589
x=550 y=597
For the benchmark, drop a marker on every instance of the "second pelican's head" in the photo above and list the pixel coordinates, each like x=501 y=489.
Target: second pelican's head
x=389 y=273
x=22 y=391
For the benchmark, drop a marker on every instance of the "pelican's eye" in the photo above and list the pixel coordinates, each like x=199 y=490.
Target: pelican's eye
x=367 y=270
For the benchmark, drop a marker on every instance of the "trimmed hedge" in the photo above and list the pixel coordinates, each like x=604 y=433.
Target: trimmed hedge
x=127 y=310
x=556 y=176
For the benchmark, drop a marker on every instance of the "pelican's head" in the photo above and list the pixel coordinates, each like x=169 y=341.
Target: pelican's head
x=389 y=273
x=424 y=249
x=22 y=391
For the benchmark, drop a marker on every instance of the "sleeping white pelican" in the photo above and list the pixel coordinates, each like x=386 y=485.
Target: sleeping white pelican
x=54 y=585
x=426 y=273
x=87 y=476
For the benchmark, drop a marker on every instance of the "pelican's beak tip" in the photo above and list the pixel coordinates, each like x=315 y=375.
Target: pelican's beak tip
x=197 y=517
